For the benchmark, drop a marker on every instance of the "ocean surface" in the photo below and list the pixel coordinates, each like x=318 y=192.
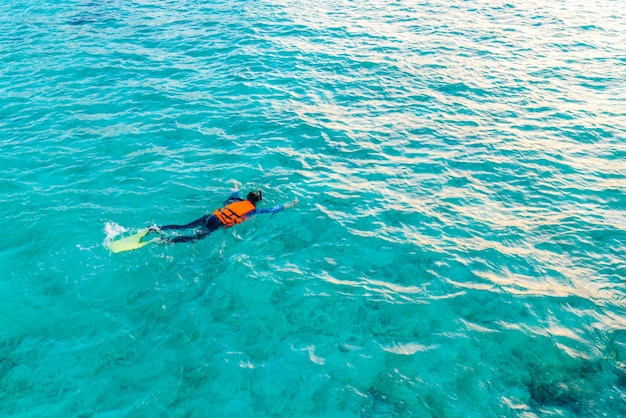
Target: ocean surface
x=459 y=249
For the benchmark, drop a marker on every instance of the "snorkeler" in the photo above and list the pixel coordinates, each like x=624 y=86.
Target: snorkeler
x=234 y=211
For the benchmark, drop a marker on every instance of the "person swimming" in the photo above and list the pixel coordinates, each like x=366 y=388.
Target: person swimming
x=234 y=211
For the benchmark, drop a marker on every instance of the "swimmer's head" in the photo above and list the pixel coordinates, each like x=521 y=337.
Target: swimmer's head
x=254 y=196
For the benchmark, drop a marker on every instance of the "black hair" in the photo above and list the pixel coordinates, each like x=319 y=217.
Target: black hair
x=254 y=197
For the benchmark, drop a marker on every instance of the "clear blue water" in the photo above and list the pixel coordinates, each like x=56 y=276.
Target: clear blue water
x=460 y=243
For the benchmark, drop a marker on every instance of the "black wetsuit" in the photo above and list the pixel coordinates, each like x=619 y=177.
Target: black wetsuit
x=203 y=227
x=210 y=223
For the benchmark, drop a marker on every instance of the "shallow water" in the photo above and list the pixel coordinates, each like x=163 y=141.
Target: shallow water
x=459 y=245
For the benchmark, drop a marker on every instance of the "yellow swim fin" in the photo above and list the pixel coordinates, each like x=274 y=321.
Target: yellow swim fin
x=131 y=242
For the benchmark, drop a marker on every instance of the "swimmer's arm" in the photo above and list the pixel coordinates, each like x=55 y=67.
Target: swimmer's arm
x=275 y=209
x=235 y=193
x=234 y=196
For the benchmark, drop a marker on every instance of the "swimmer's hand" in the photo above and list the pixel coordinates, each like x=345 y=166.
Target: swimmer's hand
x=235 y=185
x=291 y=204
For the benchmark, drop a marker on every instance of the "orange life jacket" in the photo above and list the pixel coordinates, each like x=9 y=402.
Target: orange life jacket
x=234 y=213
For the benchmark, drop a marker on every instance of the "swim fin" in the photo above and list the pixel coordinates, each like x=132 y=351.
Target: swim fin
x=131 y=242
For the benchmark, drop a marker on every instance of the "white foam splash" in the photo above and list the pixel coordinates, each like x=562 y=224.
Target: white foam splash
x=112 y=230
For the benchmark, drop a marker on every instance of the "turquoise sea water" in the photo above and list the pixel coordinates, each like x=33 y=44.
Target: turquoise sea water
x=460 y=244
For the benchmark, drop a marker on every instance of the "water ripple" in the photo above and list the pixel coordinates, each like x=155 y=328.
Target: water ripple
x=459 y=246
